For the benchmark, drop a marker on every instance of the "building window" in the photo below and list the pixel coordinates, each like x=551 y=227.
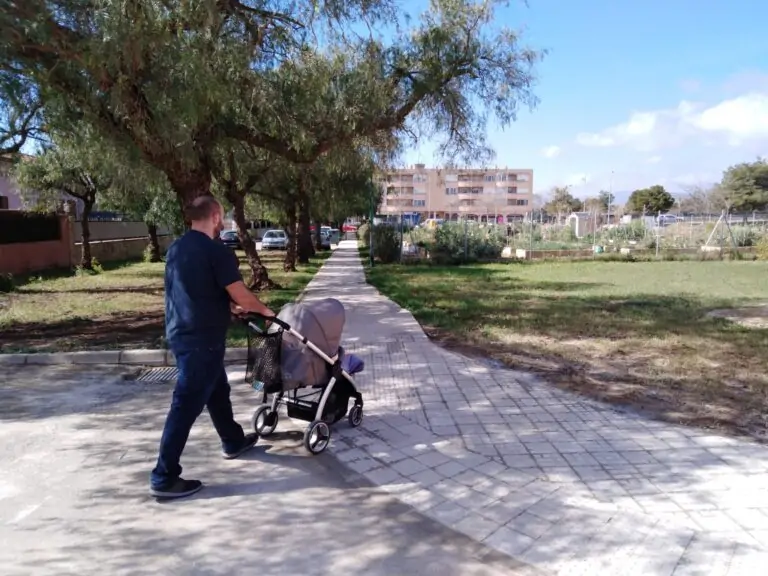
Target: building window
x=451 y=191
x=419 y=191
x=522 y=177
x=512 y=177
x=512 y=190
x=419 y=203
x=451 y=177
x=420 y=178
x=490 y=178
x=522 y=201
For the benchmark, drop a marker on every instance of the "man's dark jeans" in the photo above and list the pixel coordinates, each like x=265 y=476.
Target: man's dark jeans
x=202 y=383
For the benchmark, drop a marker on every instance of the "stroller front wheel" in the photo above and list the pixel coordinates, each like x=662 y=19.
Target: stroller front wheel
x=356 y=416
x=264 y=420
x=317 y=436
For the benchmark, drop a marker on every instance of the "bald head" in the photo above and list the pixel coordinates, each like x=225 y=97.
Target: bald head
x=206 y=215
x=202 y=208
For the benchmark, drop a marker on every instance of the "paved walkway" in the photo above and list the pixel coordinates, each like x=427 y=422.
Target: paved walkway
x=76 y=448
x=569 y=485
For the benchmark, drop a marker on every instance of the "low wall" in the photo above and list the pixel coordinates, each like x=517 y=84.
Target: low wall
x=28 y=257
x=113 y=230
x=114 y=250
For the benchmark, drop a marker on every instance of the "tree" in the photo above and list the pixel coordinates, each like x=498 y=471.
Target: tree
x=175 y=81
x=652 y=200
x=606 y=200
x=705 y=199
x=746 y=185
x=562 y=202
x=594 y=205
x=21 y=114
x=68 y=167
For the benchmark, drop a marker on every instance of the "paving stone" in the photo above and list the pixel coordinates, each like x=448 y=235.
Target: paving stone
x=509 y=542
x=433 y=458
x=476 y=526
x=450 y=469
x=427 y=478
x=530 y=525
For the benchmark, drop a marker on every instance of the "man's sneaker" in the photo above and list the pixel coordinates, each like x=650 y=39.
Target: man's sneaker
x=248 y=442
x=178 y=489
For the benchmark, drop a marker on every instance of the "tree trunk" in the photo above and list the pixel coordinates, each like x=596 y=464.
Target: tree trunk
x=259 y=274
x=318 y=240
x=86 y=261
x=305 y=248
x=289 y=264
x=154 y=243
x=188 y=185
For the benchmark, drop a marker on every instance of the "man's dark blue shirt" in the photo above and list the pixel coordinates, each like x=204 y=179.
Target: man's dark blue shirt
x=197 y=305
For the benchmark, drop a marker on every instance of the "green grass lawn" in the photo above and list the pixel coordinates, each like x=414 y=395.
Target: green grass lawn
x=123 y=307
x=634 y=333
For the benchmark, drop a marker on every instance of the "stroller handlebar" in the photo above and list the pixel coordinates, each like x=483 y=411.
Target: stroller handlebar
x=274 y=319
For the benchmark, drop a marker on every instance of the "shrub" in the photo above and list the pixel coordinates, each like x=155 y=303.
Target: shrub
x=761 y=249
x=386 y=243
x=363 y=234
x=6 y=283
x=455 y=243
x=745 y=235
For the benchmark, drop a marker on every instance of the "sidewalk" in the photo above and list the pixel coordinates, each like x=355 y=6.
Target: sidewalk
x=76 y=448
x=553 y=479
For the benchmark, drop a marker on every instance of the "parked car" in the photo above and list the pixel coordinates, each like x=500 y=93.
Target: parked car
x=274 y=240
x=666 y=219
x=230 y=239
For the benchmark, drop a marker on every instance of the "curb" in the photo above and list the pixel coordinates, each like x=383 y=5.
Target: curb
x=112 y=357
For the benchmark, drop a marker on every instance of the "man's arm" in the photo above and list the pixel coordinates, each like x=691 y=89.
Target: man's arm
x=227 y=273
x=247 y=300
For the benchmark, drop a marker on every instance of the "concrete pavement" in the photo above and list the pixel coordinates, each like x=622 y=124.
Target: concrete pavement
x=553 y=479
x=76 y=447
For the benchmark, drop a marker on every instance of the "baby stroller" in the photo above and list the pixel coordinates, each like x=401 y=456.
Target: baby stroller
x=307 y=371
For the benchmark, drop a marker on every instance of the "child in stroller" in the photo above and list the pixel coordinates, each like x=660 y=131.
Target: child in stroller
x=307 y=371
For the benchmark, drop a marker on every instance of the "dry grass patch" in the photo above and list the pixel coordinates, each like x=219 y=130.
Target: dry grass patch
x=123 y=307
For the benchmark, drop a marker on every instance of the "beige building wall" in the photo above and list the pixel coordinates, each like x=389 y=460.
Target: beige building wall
x=481 y=194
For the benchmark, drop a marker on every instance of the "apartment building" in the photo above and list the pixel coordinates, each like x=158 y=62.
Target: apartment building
x=480 y=194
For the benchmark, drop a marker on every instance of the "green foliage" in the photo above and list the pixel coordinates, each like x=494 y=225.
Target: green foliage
x=746 y=185
x=761 y=248
x=364 y=234
x=96 y=268
x=634 y=231
x=7 y=284
x=650 y=200
x=562 y=202
x=459 y=243
x=386 y=243
x=745 y=235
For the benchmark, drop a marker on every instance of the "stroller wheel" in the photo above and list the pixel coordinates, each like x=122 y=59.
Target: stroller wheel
x=317 y=437
x=356 y=416
x=264 y=420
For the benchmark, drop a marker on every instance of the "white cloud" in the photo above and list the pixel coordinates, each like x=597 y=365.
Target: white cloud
x=551 y=151
x=734 y=121
x=654 y=160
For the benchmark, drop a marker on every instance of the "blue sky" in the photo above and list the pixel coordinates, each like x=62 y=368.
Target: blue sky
x=656 y=92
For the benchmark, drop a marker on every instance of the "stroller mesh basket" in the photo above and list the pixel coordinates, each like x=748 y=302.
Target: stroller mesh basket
x=263 y=363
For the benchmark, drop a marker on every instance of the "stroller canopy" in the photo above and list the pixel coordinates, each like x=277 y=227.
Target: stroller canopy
x=322 y=323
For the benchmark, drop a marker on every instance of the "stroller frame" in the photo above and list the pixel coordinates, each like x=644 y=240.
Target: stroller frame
x=303 y=407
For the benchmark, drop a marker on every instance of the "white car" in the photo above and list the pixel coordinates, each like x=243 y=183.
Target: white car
x=274 y=240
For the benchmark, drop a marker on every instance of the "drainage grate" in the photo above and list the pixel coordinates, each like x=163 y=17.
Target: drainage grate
x=166 y=374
